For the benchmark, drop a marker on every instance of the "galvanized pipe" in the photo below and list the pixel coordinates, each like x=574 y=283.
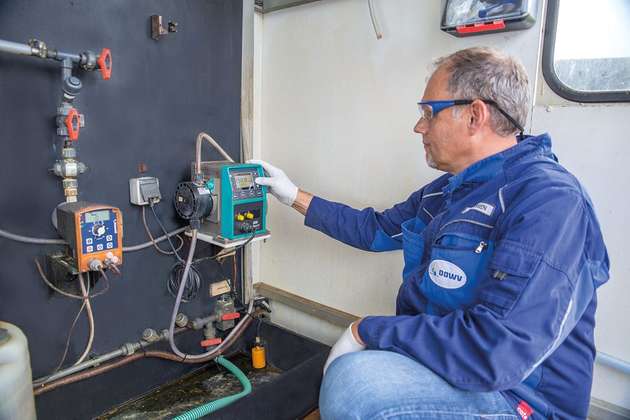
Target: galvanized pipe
x=15 y=48
x=125 y=350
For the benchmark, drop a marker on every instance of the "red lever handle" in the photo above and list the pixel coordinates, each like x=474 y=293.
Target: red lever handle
x=229 y=317
x=105 y=63
x=211 y=342
x=72 y=124
x=496 y=25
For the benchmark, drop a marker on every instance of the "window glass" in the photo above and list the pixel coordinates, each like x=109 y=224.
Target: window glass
x=592 y=45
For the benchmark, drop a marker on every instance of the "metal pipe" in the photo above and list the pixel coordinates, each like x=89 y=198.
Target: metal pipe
x=613 y=362
x=58 y=55
x=15 y=48
x=126 y=349
x=158 y=354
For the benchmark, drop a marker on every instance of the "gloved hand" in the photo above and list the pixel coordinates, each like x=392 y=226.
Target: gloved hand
x=346 y=344
x=278 y=182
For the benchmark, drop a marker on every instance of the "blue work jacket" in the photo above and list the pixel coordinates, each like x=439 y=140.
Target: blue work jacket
x=501 y=265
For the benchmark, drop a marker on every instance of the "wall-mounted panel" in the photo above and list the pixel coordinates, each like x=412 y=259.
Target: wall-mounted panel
x=160 y=95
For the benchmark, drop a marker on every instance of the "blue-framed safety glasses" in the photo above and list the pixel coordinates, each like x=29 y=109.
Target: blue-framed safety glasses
x=429 y=109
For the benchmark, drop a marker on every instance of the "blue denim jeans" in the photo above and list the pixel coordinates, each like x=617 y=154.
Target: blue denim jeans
x=385 y=385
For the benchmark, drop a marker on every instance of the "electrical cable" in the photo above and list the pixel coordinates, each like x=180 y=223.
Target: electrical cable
x=192 y=276
x=88 y=307
x=67 y=294
x=155 y=245
x=193 y=284
x=139 y=247
x=67 y=346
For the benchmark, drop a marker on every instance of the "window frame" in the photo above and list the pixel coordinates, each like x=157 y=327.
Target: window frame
x=549 y=73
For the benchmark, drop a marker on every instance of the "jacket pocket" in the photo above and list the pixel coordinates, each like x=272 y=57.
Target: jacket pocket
x=413 y=244
x=509 y=270
x=457 y=262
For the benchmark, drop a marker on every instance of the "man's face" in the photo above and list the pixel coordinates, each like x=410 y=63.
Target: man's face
x=444 y=136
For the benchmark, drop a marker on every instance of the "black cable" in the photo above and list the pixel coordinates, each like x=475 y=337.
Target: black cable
x=155 y=244
x=67 y=294
x=168 y=238
x=193 y=283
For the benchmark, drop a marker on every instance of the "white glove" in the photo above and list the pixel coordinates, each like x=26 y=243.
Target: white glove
x=346 y=344
x=278 y=182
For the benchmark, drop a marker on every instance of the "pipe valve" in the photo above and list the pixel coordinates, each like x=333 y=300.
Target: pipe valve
x=105 y=63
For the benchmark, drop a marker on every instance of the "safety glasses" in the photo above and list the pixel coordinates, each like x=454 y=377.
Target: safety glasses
x=429 y=109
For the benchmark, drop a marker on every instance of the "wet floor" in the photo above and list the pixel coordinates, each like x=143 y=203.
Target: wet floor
x=204 y=385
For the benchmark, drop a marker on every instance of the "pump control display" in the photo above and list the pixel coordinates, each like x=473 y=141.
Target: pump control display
x=93 y=231
x=244 y=182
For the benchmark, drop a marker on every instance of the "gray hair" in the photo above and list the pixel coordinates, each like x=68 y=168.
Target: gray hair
x=486 y=73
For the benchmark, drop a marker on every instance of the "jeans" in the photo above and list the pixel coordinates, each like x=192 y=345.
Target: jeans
x=385 y=385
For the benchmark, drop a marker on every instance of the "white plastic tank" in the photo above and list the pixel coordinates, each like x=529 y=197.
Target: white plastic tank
x=16 y=383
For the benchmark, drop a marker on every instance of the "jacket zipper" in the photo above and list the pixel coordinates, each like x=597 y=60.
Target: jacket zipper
x=482 y=245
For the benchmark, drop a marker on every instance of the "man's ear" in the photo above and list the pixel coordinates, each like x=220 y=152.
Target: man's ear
x=478 y=117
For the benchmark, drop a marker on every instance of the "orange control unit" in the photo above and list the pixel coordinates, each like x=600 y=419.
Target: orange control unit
x=94 y=232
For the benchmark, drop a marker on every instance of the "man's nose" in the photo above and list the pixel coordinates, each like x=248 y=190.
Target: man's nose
x=421 y=126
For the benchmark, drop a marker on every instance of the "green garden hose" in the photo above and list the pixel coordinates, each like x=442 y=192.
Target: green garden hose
x=210 y=407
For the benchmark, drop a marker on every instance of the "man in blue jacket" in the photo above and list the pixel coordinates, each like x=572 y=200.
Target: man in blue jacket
x=502 y=255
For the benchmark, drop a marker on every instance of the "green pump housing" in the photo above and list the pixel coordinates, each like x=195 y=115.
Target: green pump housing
x=239 y=204
x=243 y=202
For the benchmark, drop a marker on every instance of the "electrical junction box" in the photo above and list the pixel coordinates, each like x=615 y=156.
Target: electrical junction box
x=462 y=18
x=239 y=211
x=144 y=189
x=93 y=231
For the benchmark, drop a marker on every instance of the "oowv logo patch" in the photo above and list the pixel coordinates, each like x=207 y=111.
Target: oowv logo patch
x=446 y=274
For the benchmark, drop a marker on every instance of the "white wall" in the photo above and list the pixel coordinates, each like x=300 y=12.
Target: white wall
x=337 y=110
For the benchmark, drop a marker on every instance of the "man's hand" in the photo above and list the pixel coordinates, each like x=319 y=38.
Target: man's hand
x=278 y=182
x=349 y=342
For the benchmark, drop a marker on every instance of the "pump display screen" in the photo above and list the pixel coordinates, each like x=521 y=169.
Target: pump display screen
x=244 y=181
x=97 y=216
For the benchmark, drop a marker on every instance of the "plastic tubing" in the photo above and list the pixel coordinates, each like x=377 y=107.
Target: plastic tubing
x=236 y=331
x=88 y=307
x=375 y=25
x=29 y=240
x=213 y=406
x=42 y=241
x=150 y=243
x=200 y=138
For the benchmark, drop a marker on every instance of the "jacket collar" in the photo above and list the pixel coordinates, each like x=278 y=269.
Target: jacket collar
x=487 y=168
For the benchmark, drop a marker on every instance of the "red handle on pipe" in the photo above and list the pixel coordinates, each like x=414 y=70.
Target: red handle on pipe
x=211 y=342
x=105 y=63
x=72 y=124
x=229 y=317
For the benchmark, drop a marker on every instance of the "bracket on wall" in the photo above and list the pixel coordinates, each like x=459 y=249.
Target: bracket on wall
x=157 y=28
x=267 y=6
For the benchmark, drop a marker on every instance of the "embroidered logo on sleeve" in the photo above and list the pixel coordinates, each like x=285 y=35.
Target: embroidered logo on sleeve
x=446 y=274
x=524 y=410
x=481 y=207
